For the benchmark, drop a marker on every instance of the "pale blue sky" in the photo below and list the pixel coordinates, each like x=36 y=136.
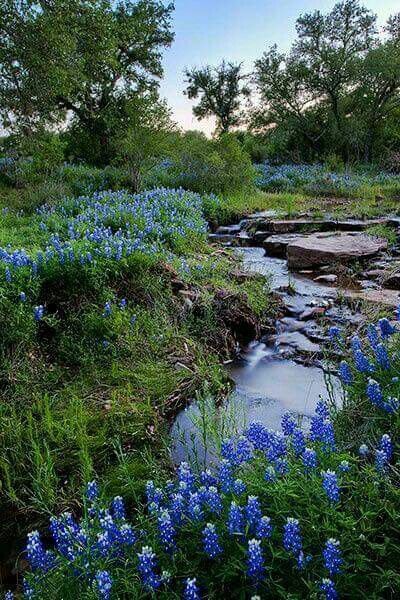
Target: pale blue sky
x=209 y=30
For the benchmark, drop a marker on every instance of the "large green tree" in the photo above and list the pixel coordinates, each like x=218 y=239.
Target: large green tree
x=219 y=91
x=89 y=62
x=335 y=88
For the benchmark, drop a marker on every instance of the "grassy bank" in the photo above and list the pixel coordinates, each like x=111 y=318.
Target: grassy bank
x=115 y=313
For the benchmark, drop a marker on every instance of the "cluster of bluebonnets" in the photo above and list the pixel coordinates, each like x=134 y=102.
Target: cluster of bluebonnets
x=372 y=365
x=108 y=226
x=317 y=178
x=216 y=510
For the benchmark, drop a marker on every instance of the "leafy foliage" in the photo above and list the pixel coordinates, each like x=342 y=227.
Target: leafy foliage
x=220 y=90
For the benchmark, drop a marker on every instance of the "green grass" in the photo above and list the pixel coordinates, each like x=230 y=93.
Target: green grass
x=72 y=409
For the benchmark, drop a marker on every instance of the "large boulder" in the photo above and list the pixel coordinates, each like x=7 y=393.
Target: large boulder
x=328 y=248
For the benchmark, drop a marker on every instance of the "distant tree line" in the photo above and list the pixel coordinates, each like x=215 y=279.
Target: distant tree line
x=336 y=92
x=89 y=71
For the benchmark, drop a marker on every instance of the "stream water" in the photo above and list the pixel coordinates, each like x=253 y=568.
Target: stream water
x=269 y=379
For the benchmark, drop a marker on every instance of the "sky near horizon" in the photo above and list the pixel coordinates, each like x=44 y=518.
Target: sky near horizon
x=207 y=31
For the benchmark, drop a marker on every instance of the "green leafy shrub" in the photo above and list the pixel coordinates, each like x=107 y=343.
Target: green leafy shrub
x=203 y=165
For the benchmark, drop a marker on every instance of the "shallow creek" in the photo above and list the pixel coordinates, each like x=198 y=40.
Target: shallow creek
x=271 y=376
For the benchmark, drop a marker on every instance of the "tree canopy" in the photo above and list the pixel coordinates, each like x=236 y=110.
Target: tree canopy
x=337 y=85
x=89 y=60
x=219 y=91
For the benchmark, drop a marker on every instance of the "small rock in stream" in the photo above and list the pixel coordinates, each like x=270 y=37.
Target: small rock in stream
x=330 y=278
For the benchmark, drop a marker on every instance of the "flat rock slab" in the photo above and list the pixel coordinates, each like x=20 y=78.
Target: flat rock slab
x=360 y=225
x=276 y=245
x=328 y=248
x=300 y=226
x=383 y=297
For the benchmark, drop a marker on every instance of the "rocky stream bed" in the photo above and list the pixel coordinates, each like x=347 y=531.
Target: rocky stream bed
x=320 y=271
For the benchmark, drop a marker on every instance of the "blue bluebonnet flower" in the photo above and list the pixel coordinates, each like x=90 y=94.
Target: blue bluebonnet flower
x=328 y=435
x=104 y=584
x=332 y=556
x=29 y=592
x=211 y=541
x=330 y=485
x=309 y=458
x=281 y=466
x=255 y=561
x=38 y=312
x=133 y=320
x=191 y=591
x=380 y=461
x=8 y=595
x=123 y=304
x=126 y=535
x=302 y=560
x=22 y=296
x=147 y=568
x=39 y=558
x=259 y=436
x=118 y=508
x=264 y=528
x=363 y=450
x=355 y=343
x=362 y=363
x=374 y=393
x=154 y=495
x=328 y=588
x=322 y=409
x=345 y=373
x=253 y=511
x=225 y=475
x=213 y=500
x=382 y=356
x=235 y=522
x=166 y=531
x=298 y=441
x=334 y=333
x=207 y=478
x=107 y=309
x=270 y=474
x=186 y=476
x=373 y=335
x=288 y=424
x=92 y=491
x=8 y=275
x=238 y=487
x=277 y=446
x=387 y=329
x=177 y=508
x=292 y=540
x=344 y=466
x=386 y=446
x=194 y=506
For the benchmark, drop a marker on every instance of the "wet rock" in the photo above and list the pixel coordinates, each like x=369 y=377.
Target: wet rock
x=228 y=229
x=359 y=225
x=392 y=281
x=243 y=239
x=290 y=324
x=366 y=284
x=300 y=226
x=374 y=273
x=331 y=278
x=221 y=238
x=276 y=245
x=383 y=297
x=259 y=236
x=311 y=312
x=328 y=248
x=297 y=341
